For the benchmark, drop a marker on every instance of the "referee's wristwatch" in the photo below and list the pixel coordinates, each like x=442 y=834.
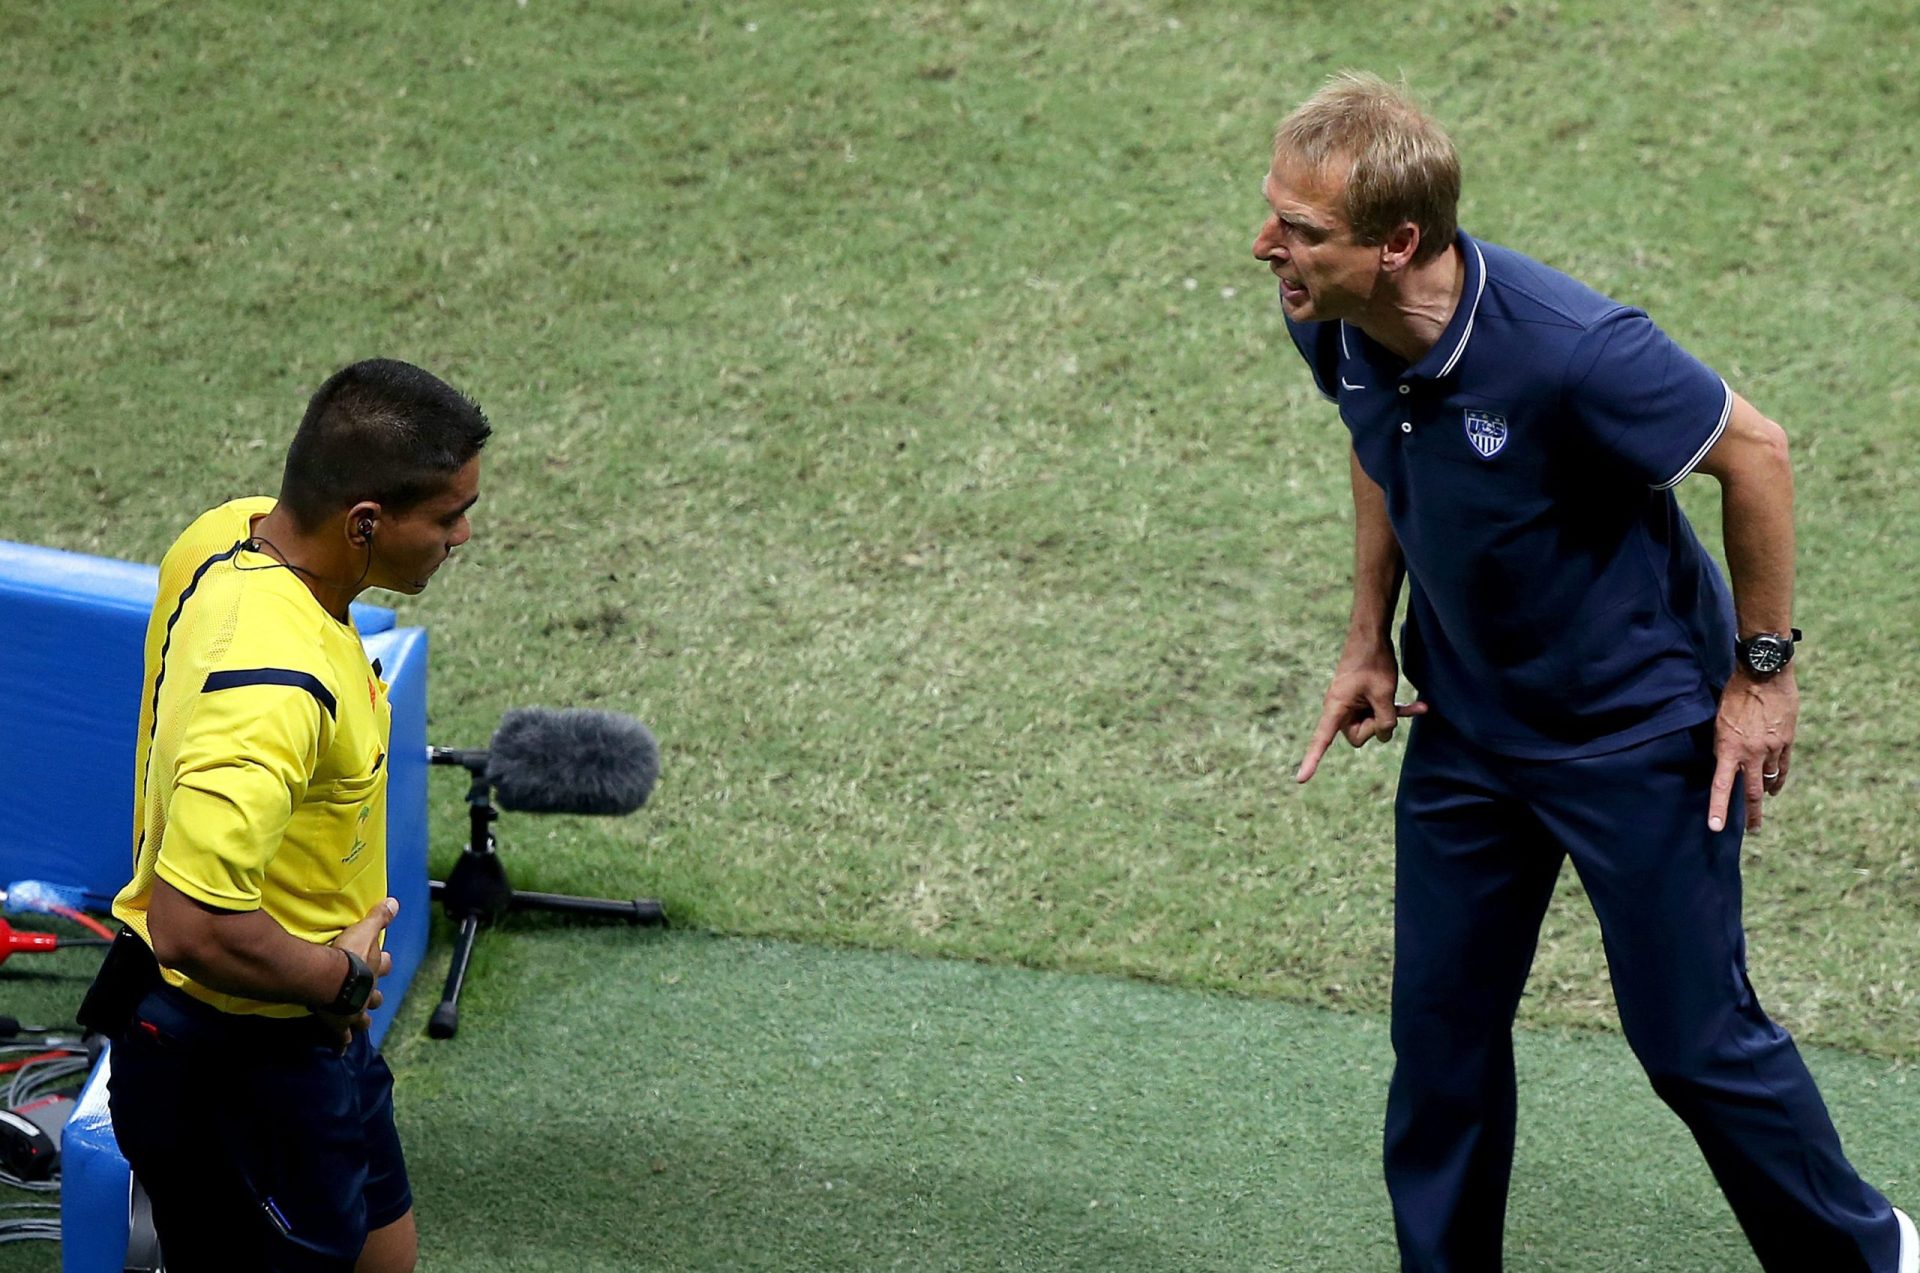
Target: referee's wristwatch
x=1765 y=653
x=354 y=991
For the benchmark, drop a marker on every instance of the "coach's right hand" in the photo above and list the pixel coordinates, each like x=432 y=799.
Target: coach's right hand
x=363 y=939
x=1359 y=705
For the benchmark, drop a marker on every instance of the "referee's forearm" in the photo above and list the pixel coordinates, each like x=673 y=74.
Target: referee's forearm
x=243 y=953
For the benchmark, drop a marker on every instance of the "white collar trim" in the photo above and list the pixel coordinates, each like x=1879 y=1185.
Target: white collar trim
x=1466 y=333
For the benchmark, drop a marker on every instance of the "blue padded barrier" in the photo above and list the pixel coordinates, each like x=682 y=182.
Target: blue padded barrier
x=72 y=632
x=72 y=628
x=403 y=659
x=94 y=1183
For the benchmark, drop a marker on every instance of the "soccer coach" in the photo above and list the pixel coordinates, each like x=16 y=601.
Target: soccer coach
x=1587 y=686
x=245 y=1093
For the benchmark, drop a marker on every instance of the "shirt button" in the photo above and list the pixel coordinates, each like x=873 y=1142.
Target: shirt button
x=1406 y=426
x=1406 y=388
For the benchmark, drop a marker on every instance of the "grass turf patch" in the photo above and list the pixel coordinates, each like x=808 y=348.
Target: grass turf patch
x=626 y=1100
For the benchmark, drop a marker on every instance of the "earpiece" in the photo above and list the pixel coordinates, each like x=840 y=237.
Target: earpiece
x=366 y=527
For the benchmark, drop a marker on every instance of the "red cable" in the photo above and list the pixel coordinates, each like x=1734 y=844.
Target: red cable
x=24 y=1062
x=84 y=920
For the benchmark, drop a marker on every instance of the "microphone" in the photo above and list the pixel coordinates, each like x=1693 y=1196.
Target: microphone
x=571 y=760
x=540 y=760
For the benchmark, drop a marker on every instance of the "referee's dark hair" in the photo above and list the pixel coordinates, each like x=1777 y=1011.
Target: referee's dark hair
x=379 y=430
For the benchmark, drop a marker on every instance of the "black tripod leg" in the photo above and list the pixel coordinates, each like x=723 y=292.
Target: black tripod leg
x=638 y=911
x=446 y=1016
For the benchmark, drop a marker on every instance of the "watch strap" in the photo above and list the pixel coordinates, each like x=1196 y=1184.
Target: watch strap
x=1791 y=634
x=355 y=989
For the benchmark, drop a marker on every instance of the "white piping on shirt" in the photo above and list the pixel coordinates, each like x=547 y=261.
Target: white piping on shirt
x=1726 y=414
x=1467 y=333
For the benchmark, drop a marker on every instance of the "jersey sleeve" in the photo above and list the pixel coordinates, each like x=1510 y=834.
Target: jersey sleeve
x=1319 y=344
x=250 y=750
x=1644 y=400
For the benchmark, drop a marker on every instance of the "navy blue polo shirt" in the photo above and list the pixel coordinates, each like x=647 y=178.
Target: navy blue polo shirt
x=1560 y=604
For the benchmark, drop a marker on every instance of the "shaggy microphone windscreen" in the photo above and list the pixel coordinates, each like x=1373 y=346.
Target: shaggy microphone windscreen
x=572 y=760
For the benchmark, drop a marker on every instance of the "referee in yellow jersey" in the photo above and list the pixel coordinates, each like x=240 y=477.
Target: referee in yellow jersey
x=245 y=1092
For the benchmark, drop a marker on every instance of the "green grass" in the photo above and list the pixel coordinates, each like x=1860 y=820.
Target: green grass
x=764 y=1106
x=620 y=1100
x=889 y=411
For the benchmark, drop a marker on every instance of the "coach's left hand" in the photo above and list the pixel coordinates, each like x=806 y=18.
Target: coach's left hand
x=1753 y=739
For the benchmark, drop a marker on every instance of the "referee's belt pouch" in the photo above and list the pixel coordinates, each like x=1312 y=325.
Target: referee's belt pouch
x=127 y=975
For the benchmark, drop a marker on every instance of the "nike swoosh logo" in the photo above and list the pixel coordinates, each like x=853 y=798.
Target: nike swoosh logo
x=1346 y=384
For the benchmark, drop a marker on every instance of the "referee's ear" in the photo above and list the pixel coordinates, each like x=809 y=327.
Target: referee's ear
x=362 y=522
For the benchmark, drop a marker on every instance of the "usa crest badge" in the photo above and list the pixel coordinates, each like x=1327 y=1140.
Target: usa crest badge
x=1487 y=432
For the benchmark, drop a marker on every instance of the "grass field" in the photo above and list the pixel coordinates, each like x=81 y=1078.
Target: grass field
x=889 y=411
x=678 y=1101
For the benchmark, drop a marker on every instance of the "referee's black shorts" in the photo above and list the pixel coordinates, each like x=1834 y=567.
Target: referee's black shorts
x=260 y=1145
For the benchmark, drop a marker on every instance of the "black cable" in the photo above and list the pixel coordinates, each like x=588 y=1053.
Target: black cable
x=255 y=543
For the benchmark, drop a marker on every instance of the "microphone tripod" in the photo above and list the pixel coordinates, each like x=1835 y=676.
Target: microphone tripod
x=478 y=892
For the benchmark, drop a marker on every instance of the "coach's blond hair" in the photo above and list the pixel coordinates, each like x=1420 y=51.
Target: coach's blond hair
x=1403 y=165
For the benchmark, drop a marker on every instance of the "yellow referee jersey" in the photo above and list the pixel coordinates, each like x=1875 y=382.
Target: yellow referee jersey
x=260 y=780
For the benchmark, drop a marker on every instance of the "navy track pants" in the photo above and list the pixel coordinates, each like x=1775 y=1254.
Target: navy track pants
x=1480 y=839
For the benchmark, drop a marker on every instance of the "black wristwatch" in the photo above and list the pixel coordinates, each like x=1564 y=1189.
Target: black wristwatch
x=1765 y=653
x=354 y=991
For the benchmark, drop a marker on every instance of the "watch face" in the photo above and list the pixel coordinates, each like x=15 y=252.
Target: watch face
x=1767 y=653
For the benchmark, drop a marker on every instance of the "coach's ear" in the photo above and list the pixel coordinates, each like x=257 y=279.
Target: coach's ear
x=1396 y=253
